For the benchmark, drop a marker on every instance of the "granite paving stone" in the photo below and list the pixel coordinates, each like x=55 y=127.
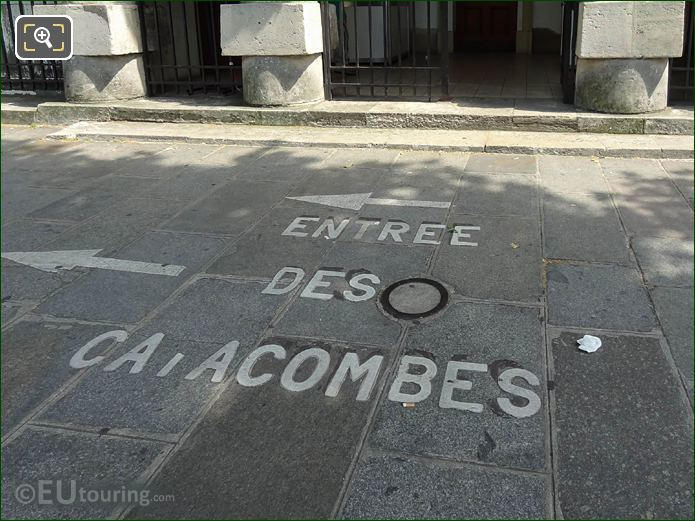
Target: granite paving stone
x=505 y=264
x=115 y=227
x=105 y=464
x=633 y=169
x=665 y=261
x=18 y=201
x=674 y=307
x=583 y=227
x=229 y=210
x=565 y=174
x=498 y=336
x=264 y=250
x=270 y=452
x=90 y=201
x=501 y=194
x=28 y=235
x=599 y=296
x=126 y=297
x=359 y=322
x=681 y=172
x=35 y=363
x=393 y=487
x=624 y=436
x=501 y=164
x=197 y=323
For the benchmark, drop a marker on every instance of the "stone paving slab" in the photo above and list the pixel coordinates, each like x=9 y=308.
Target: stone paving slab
x=358 y=322
x=387 y=487
x=674 y=307
x=18 y=202
x=208 y=315
x=36 y=364
x=665 y=261
x=124 y=297
x=501 y=164
x=229 y=210
x=13 y=310
x=571 y=175
x=275 y=453
x=105 y=464
x=598 y=296
x=114 y=227
x=499 y=194
x=24 y=283
x=500 y=338
x=264 y=250
x=624 y=446
x=583 y=227
x=91 y=201
x=28 y=235
x=505 y=264
x=653 y=208
x=682 y=174
x=116 y=399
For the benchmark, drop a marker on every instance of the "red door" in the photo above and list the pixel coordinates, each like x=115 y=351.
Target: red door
x=485 y=26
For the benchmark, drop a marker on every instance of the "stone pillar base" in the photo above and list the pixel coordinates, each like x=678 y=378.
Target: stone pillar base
x=622 y=85
x=104 y=78
x=282 y=80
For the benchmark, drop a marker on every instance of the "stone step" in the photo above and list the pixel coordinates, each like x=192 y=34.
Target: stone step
x=511 y=142
x=458 y=114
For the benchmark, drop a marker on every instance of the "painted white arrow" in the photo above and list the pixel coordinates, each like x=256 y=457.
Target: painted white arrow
x=357 y=201
x=67 y=259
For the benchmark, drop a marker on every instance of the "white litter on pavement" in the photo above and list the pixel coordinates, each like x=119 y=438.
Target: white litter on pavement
x=589 y=343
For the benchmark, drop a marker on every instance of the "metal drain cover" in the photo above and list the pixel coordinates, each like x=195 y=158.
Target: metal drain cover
x=414 y=298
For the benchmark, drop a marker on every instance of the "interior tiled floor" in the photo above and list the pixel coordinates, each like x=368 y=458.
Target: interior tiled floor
x=506 y=75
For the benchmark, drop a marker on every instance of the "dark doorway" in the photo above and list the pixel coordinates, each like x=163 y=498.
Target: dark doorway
x=485 y=26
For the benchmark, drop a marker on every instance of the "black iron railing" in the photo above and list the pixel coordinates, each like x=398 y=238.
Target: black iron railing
x=568 y=56
x=385 y=49
x=680 y=84
x=182 y=49
x=21 y=75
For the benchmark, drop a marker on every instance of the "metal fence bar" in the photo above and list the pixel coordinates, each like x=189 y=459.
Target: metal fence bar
x=385 y=50
x=25 y=75
x=182 y=52
x=680 y=74
x=568 y=71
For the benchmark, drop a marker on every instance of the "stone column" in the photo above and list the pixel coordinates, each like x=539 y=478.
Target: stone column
x=622 y=54
x=107 y=63
x=281 y=45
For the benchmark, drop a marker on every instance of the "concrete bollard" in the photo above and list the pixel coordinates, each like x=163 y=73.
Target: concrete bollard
x=281 y=45
x=107 y=59
x=622 y=54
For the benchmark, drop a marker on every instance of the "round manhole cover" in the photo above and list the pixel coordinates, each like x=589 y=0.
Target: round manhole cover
x=414 y=298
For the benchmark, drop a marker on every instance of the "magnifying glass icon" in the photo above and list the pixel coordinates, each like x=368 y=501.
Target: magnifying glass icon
x=42 y=35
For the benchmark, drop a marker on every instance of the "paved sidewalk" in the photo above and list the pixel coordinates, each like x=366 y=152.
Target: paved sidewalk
x=221 y=331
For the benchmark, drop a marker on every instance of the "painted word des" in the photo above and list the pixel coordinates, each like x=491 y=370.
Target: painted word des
x=389 y=230
x=326 y=283
x=308 y=368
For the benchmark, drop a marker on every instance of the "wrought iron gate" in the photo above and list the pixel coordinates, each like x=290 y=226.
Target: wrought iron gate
x=385 y=49
x=182 y=49
x=568 y=57
x=21 y=75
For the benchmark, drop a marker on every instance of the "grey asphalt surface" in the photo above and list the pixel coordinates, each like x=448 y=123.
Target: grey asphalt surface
x=241 y=389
